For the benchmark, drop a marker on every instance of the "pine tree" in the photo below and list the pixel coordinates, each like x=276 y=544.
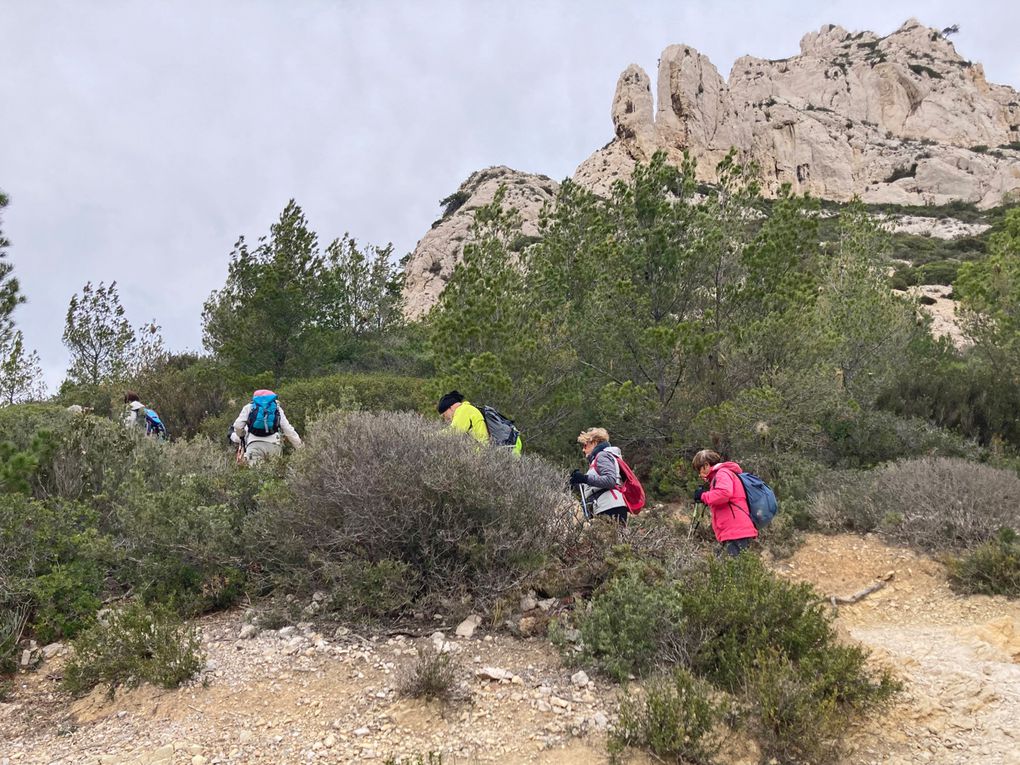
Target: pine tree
x=21 y=377
x=10 y=290
x=98 y=336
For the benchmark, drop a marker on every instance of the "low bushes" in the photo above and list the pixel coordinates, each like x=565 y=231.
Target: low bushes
x=674 y=718
x=133 y=645
x=422 y=511
x=766 y=643
x=932 y=504
x=989 y=569
x=432 y=676
x=89 y=509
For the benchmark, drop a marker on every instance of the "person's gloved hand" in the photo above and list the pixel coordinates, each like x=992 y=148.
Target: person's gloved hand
x=697 y=494
x=577 y=478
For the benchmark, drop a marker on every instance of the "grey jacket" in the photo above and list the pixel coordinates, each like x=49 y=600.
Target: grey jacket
x=604 y=480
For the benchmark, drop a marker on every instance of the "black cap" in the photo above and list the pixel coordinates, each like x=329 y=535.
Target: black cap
x=451 y=398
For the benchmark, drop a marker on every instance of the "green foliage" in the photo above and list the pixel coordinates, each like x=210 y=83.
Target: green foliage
x=989 y=292
x=967 y=392
x=89 y=509
x=21 y=377
x=288 y=308
x=628 y=624
x=722 y=621
x=867 y=437
x=98 y=336
x=452 y=203
x=364 y=589
x=67 y=599
x=789 y=719
x=487 y=340
x=432 y=676
x=989 y=569
x=734 y=609
x=132 y=645
x=674 y=718
x=10 y=290
x=184 y=389
x=307 y=400
x=677 y=316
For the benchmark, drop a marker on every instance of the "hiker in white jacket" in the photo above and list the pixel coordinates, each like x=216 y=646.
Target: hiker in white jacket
x=259 y=430
x=134 y=411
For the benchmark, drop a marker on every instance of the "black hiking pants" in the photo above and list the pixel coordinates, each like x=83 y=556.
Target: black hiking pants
x=733 y=547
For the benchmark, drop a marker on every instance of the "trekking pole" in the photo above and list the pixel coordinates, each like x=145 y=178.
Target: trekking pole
x=584 y=504
x=695 y=521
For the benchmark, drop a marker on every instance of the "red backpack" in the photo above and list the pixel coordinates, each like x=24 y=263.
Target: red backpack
x=631 y=489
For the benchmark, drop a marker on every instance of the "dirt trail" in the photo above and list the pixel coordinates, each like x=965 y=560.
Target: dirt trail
x=959 y=657
x=295 y=696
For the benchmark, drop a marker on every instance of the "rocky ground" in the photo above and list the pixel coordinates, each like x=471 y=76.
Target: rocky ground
x=297 y=696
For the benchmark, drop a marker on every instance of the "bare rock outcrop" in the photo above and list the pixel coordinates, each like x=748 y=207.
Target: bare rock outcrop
x=431 y=264
x=901 y=119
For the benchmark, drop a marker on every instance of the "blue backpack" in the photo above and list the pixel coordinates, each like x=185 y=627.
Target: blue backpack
x=761 y=500
x=154 y=426
x=264 y=417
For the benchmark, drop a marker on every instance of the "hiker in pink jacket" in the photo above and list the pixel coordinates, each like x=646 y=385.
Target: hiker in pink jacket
x=731 y=519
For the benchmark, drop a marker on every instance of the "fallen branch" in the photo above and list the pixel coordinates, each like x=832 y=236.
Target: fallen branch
x=836 y=600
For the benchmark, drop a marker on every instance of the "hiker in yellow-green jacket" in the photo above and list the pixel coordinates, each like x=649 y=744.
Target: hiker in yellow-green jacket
x=489 y=427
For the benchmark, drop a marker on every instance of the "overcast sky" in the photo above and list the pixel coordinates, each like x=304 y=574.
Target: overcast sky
x=139 y=139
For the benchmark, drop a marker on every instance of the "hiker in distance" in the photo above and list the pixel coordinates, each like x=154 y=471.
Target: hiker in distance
x=485 y=425
x=137 y=415
x=727 y=501
x=600 y=485
x=259 y=425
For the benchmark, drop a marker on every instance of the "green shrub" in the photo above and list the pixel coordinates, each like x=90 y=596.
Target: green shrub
x=363 y=588
x=933 y=503
x=864 y=438
x=674 y=718
x=20 y=423
x=182 y=534
x=133 y=645
x=989 y=569
x=789 y=720
x=67 y=599
x=734 y=609
x=432 y=676
x=938 y=272
x=720 y=621
x=467 y=520
x=628 y=625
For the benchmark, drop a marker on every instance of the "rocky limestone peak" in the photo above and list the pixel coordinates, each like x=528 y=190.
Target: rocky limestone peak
x=901 y=118
x=433 y=260
x=632 y=104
